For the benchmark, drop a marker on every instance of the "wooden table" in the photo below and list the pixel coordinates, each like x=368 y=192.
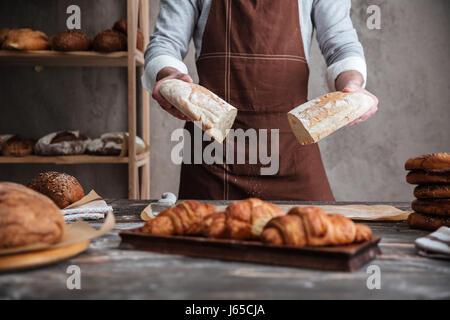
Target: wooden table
x=110 y=273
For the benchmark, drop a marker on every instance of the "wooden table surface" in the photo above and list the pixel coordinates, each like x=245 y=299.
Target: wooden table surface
x=110 y=273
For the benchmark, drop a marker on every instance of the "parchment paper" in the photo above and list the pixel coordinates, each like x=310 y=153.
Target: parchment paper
x=76 y=232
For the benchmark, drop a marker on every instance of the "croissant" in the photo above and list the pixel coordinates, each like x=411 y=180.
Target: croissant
x=310 y=226
x=242 y=220
x=186 y=218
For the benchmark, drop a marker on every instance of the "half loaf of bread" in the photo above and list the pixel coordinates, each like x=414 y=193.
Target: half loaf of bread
x=316 y=119
x=200 y=105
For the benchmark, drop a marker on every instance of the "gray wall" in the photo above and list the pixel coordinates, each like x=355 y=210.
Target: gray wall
x=408 y=70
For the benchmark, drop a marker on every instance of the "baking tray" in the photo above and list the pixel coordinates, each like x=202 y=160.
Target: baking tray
x=338 y=258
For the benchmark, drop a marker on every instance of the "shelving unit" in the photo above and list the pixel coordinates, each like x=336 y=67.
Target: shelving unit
x=133 y=59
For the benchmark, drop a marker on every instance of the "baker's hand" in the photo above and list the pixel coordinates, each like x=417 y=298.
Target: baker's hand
x=351 y=81
x=165 y=74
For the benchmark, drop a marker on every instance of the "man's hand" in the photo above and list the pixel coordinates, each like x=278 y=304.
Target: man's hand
x=352 y=81
x=165 y=74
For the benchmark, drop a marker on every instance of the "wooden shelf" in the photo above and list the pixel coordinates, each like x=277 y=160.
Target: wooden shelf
x=79 y=159
x=66 y=59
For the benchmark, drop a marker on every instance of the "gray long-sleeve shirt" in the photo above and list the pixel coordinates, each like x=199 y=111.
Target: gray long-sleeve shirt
x=179 y=21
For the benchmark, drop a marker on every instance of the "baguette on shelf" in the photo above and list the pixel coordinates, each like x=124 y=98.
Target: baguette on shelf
x=316 y=119
x=199 y=104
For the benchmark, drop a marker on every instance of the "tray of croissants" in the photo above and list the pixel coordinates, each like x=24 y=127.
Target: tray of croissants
x=253 y=230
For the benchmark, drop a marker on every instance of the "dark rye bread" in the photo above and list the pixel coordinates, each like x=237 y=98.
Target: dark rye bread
x=428 y=176
x=110 y=41
x=432 y=206
x=70 y=40
x=431 y=191
x=28 y=217
x=427 y=222
x=62 y=188
x=434 y=161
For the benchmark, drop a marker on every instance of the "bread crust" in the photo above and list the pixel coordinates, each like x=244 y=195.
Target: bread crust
x=18 y=147
x=3 y=34
x=28 y=217
x=432 y=206
x=25 y=39
x=70 y=40
x=430 y=191
x=427 y=222
x=428 y=176
x=62 y=143
x=439 y=161
x=62 y=188
x=110 y=41
x=121 y=26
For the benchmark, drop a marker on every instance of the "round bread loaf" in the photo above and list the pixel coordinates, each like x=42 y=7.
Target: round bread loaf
x=25 y=39
x=121 y=26
x=427 y=222
x=70 y=40
x=428 y=176
x=437 y=161
x=110 y=41
x=439 y=207
x=430 y=191
x=28 y=217
x=62 y=188
x=62 y=143
x=17 y=147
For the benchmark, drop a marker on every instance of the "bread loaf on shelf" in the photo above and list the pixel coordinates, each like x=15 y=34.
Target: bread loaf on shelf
x=62 y=143
x=200 y=104
x=316 y=119
x=25 y=39
x=114 y=144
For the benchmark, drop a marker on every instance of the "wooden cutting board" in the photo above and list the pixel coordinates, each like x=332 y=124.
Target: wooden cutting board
x=28 y=260
x=338 y=258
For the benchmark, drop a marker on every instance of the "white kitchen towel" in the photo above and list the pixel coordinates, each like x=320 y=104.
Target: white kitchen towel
x=436 y=244
x=93 y=210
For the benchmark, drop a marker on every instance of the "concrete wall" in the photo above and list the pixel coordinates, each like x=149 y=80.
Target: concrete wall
x=408 y=71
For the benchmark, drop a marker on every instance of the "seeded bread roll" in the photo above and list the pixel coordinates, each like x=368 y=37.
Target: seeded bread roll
x=200 y=104
x=428 y=176
x=28 y=217
x=62 y=188
x=25 y=39
x=430 y=191
x=316 y=119
x=439 y=207
x=70 y=40
x=427 y=222
x=434 y=161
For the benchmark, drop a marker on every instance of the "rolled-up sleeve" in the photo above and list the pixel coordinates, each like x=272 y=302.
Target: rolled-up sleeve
x=169 y=43
x=337 y=39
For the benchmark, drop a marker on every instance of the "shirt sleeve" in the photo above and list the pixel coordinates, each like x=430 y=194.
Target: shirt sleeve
x=337 y=39
x=169 y=43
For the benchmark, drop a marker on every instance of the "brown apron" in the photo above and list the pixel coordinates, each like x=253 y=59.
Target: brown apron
x=253 y=57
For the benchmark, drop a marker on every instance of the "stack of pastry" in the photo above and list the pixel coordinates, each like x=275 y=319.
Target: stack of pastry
x=254 y=219
x=431 y=174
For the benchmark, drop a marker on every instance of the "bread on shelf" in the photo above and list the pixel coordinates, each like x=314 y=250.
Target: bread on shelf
x=70 y=40
x=110 y=41
x=114 y=144
x=200 y=105
x=15 y=146
x=121 y=26
x=318 y=118
x=25 y=40
x=28 y=217
x=62 y=188
x=62 y=143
